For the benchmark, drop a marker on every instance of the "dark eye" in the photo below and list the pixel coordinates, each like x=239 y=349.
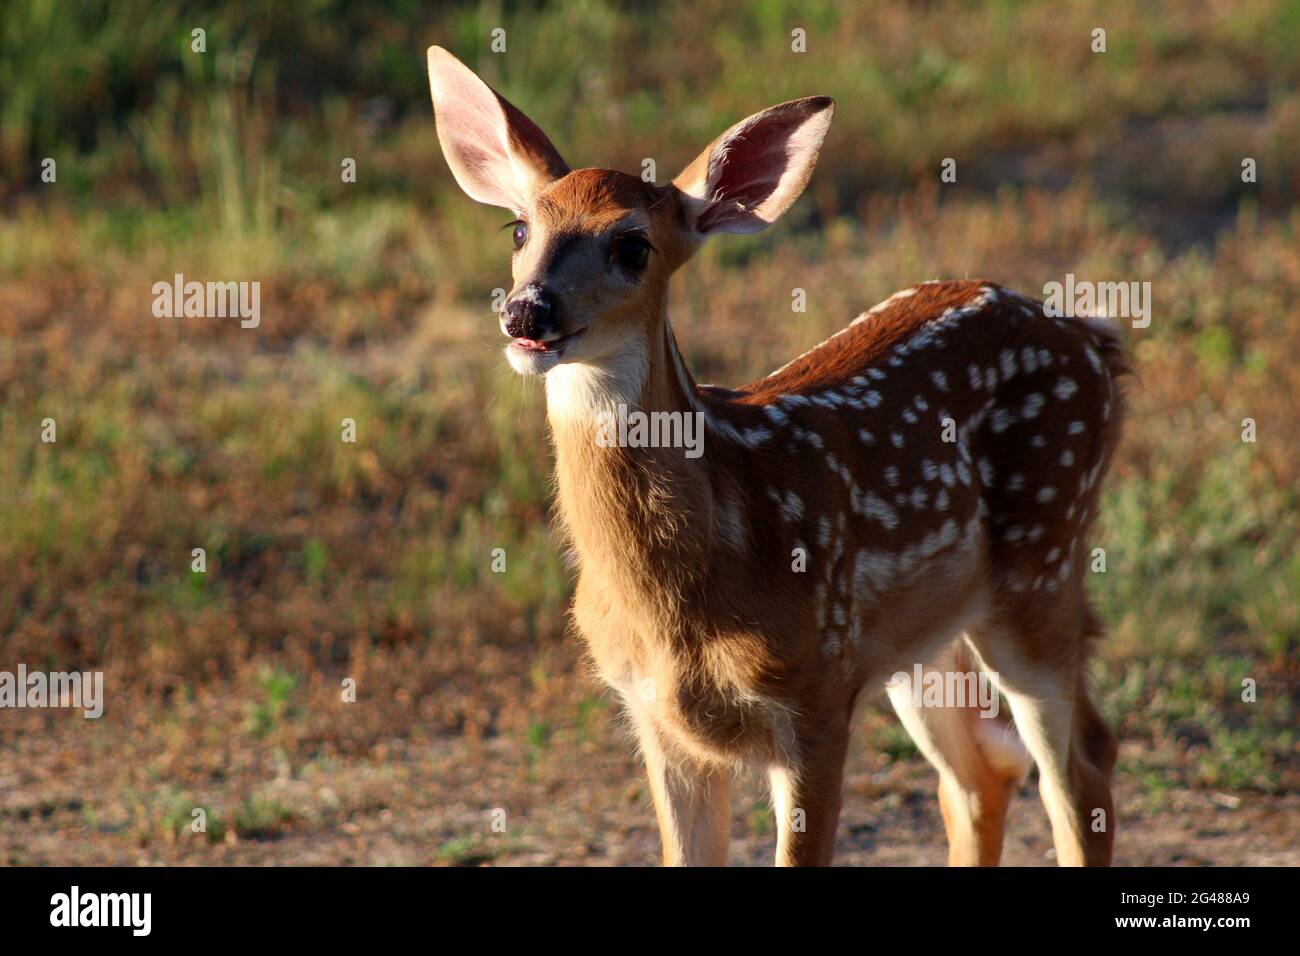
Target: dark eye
x=632 y=252
x=520 y=235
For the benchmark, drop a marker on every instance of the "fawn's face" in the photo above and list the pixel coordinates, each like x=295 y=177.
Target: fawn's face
x=593 y=254
x=594 y=249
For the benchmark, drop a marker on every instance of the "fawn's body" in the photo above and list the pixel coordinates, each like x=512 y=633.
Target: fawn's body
x=914 y=491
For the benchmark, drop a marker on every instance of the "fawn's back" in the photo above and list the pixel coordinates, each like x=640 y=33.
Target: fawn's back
x=945 y=446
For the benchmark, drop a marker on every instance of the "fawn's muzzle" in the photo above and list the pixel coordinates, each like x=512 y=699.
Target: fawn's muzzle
x=530 y=314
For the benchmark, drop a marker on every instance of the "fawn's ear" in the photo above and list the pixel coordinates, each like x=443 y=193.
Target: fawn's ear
x=755 y=171
x=497 y=154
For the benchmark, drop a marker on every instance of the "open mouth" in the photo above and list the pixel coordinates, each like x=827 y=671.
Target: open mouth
x=539 y=347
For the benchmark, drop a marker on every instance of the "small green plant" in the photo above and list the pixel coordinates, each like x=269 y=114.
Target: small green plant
x=261 y=817
x=539 y=735
x=466 y=851
x=277 y=686
x=178 y=819
x=314 y=558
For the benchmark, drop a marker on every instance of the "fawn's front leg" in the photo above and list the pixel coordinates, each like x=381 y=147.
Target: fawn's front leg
x=692 y=803
x=806 y=797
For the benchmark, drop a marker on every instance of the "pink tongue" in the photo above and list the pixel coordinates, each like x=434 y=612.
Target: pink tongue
x=532 y=344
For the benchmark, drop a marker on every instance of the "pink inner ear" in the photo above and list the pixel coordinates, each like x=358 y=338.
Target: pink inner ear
x=748 y=167
x=472 y=131
x=496 y=153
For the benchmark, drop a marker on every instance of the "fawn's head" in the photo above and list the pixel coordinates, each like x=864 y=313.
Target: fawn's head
x=594 y=248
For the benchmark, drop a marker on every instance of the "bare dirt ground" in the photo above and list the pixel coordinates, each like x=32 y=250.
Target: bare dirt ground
x=578 y=799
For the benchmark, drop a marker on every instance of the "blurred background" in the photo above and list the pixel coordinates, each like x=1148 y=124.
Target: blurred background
x=372 y=560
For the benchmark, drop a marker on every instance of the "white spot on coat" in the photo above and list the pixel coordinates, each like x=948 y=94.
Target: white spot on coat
x=1064 y=388
x=1007 y=360
x=774 y=413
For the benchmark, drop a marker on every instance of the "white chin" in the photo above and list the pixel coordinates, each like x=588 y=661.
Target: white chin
x=526 y=362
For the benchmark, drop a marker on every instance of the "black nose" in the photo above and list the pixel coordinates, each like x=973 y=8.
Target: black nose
x=530 y=313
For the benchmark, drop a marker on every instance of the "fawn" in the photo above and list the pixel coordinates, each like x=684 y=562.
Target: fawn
x=914 y=492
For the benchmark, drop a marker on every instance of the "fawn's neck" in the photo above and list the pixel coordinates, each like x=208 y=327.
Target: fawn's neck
x=638 y=516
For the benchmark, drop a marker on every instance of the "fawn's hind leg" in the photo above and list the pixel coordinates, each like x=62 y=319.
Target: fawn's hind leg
x=981 y=764
x=1072 y=746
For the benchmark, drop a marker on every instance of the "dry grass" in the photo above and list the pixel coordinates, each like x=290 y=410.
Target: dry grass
x=372 y=561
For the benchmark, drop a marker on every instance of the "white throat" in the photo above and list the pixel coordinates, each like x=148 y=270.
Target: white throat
x=576 y=392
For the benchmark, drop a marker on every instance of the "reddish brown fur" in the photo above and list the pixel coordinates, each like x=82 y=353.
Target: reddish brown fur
x=736 y=636
x=914 y=492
